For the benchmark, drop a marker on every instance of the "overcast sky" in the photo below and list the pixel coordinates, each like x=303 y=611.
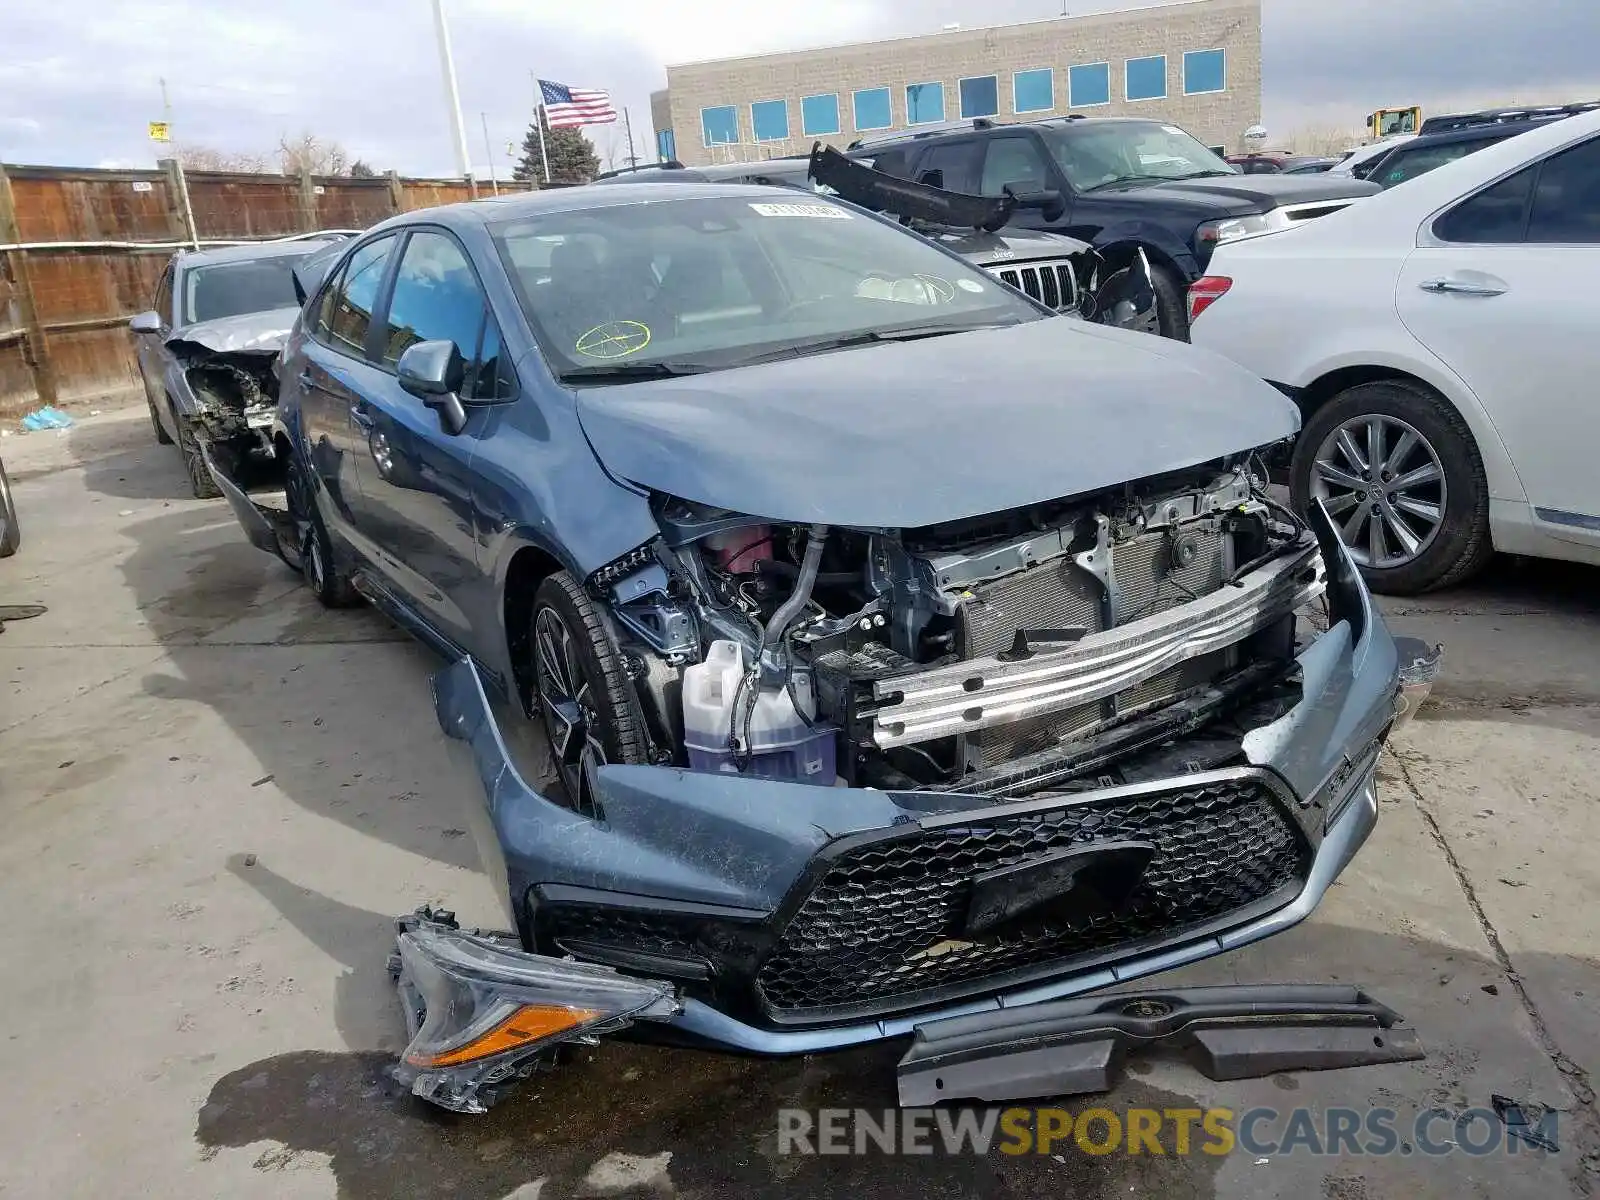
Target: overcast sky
x=79 y=78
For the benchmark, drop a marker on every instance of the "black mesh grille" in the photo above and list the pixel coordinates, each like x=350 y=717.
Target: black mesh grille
x=649 y=933
x=884 y=922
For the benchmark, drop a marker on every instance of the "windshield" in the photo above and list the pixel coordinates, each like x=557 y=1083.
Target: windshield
x=705 y=283
x=1105 y=153
x=231 y=289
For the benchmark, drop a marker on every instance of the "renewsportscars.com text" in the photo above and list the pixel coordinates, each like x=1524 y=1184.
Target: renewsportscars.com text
x=1340 y=1132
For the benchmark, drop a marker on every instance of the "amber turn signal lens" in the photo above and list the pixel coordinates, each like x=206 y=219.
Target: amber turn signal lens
x=530 y=1023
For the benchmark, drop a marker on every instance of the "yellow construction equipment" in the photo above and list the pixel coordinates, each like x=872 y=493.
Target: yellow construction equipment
x=1388 y=122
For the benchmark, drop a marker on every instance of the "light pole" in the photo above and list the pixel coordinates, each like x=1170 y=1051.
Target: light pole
x=457 y=127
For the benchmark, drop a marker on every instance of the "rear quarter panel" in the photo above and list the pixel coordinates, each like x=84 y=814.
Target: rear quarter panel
x=1294 y=316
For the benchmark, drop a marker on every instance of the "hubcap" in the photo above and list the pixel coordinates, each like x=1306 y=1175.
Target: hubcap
x=1383 y=484
x=566 y=697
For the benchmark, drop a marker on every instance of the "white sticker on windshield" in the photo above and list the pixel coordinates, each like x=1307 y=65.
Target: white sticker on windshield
x=801 y=210
x=969 y=285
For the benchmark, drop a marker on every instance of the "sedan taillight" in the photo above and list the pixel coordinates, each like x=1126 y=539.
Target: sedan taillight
x=1206 y=291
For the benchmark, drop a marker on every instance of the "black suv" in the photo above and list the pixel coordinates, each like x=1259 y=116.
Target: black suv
x=1122 y=184
x=1445 y=139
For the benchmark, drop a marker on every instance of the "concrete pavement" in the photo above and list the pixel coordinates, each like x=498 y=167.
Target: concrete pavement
x=215 y=796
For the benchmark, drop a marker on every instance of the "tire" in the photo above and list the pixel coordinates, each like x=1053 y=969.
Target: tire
x=163 y=438
x=1452 y=541
x=10 y=531
x=200 y=482
x=1172 y=303
x=327 y=579
x=585 y=697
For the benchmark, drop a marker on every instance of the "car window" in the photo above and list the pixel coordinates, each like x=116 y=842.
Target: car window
x=1404 y=165
x=163 y=300
x=356 y=294
x=709 y=282
x=1566 y=200
x=436 y=297
x=952 y=166
x=232 y=289
x=1014 y=161
x=1498 y=214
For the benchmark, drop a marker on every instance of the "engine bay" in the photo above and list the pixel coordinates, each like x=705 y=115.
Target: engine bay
x=990 y=654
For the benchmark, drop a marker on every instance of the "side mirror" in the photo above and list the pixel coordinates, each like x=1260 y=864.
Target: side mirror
x=146 y=322
x=1048 y=202
x=433 y=373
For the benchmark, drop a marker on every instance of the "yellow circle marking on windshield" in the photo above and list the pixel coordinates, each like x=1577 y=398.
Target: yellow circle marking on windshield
x=614 y=339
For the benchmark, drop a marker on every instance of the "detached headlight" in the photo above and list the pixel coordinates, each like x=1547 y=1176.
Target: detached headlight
x=1232 y=229
x=480 y=1013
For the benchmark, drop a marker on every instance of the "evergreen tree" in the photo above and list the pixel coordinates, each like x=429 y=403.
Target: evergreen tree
x=572 y=157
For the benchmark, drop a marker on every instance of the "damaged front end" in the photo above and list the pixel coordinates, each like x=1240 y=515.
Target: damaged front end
x=230 y=373
x=905 y=774
x=1060 y=272
x=481 y=1014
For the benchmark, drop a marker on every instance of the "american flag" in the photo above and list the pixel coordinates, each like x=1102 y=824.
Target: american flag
x=568 y=107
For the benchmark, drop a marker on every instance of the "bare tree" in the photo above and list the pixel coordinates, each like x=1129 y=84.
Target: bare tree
x=208 y=158
x=310 y=154
x=1323 y=140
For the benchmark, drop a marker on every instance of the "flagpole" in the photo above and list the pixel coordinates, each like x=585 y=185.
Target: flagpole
x=458 y=128
x=633 y=159
x=538 y=123
x=488 y=148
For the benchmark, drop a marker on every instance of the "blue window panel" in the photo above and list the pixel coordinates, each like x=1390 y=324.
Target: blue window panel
x=1205 y=71
x=924 y=103
x=770 y=120
x=980 y=97
x=1146 y=78
x=872 y=109
x=666 y=145
x=720 y=125
x=819 y=114
x=1034 y=91
x=1089 y=85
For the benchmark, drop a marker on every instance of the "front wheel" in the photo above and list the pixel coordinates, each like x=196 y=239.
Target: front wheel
x=318 y=562
x=10 y=533
x=200 y=482
x=584 y=694
x=1172 y=304
x=1400 y=475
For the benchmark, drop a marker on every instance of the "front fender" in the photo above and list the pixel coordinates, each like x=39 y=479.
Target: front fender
x=1158 y=242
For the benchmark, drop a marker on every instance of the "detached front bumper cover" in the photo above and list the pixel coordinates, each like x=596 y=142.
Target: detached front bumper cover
x=1075 y=1046
x=482 y=1013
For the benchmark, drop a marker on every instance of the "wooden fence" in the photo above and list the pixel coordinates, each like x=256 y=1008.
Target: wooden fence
x=96 y=243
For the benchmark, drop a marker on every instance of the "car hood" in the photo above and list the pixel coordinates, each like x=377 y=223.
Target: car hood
x=1252 y=193
x=1007 y=245
x=908 y=434
x=260 y=332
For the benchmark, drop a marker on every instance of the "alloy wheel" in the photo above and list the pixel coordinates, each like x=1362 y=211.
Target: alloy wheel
x=1383 y=485
x=566 y=698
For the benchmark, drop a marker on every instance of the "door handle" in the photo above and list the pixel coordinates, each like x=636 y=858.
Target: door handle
x=1461 y=287
x=305 y=377
x=362 y=419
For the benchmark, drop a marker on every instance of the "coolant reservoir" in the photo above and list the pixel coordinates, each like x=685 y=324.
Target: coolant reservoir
x=782 y=745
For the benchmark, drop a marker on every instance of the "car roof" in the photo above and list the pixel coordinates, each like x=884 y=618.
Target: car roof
x=921 y=133
x=248 y=252
x=602 y=194
x=1392 y=217
x=1516 y=114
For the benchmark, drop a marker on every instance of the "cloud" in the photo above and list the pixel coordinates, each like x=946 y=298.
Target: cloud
x=82 y=84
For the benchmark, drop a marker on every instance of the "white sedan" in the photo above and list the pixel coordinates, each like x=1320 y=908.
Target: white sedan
x=1443 y=342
